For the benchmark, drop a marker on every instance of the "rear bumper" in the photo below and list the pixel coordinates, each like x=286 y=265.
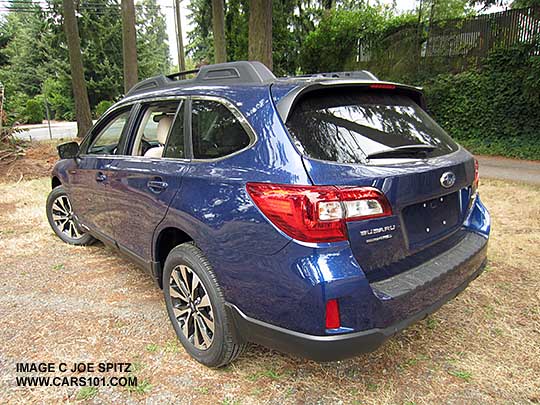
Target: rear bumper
x=465 y=263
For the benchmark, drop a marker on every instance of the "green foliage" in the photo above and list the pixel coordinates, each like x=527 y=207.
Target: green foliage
x=34 y=111
x=334 y=44
x=102 y=106
x=34 y=58
x=493 y=110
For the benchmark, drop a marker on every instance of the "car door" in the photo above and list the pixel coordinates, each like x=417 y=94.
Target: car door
x=145 y=181
x=90 y=186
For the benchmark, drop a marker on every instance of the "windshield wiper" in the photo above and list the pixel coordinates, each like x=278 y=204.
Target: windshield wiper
x=403 y=151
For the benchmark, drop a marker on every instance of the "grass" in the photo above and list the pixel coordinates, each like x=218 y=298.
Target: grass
x=481 y=347
x=86 y=393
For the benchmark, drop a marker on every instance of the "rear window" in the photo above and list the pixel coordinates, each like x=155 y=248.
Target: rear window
x=346 y=128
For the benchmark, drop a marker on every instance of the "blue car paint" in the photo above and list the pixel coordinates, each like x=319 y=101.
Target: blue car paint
x=262 y=271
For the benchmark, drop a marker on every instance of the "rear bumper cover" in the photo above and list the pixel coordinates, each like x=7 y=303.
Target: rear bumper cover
x=341 y=346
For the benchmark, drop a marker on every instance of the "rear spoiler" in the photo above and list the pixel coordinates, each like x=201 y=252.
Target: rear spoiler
x=289 y=101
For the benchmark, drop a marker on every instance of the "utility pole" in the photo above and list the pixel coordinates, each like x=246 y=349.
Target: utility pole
x=179 y=39
x=129 y=43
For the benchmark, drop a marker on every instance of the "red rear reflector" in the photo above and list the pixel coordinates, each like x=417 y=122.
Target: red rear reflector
x=382 y=86
x=317 y=213
x=332 y=314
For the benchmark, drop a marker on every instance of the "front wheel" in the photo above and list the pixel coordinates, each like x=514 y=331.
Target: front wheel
x=62 y=220
x=196 y=307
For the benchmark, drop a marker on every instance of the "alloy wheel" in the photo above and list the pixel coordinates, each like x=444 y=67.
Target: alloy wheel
x=192 y=307
x=62 y=215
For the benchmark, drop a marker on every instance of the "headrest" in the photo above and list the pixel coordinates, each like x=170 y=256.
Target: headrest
x=163 y=127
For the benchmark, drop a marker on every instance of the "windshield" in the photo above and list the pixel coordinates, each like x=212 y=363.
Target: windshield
x=346 y=128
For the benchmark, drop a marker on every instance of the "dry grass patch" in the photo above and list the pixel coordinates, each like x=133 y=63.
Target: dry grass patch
x=62 y=303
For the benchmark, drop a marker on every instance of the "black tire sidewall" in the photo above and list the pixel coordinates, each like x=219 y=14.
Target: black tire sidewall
x=189 y=255
x=86 y=239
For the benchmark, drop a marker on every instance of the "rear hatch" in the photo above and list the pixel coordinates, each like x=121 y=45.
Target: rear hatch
x=381 y=137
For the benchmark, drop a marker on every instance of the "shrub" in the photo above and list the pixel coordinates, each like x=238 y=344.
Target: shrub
x=493 y=110
x=102 y=107
x=34 y=111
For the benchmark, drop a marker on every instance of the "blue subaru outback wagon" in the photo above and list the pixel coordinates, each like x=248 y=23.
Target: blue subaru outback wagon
x=315 y=215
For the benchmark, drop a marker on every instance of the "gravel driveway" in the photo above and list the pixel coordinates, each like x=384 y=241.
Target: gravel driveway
x=66 y=304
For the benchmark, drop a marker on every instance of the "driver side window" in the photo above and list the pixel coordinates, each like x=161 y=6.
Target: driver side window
x=107 y=140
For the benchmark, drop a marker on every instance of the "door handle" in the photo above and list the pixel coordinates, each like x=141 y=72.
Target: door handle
x=157 y=186
x=100 y=177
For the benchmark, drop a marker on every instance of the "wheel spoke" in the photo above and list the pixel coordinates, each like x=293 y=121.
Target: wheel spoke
x=205 y=302
x=77 y=233
x=56 y=205
x=180 y=312
x=180 y=284
x=194 y=284
x=209 y=323
x=204 y=333
x=61 y=213
x=194 y=314
x=197 y=334
x=178 y=293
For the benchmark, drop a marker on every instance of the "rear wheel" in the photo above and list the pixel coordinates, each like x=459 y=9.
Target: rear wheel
x=196 y=307
x=62 y=220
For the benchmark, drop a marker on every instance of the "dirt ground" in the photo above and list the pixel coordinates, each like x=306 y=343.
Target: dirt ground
x=60 y=303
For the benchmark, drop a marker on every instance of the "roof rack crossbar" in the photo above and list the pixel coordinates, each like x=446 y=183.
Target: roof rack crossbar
x=176 y=75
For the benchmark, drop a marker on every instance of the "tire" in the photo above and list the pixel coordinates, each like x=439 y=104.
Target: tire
x=66 y=228
x=192 y=312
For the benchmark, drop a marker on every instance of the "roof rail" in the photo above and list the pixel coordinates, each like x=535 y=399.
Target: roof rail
x=358 y=74
x=242 y=72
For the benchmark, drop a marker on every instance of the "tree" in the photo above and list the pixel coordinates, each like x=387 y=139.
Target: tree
x=260 y=31
x=152 y=40
x=218 y=24
x=129 y=44
x=82 y=105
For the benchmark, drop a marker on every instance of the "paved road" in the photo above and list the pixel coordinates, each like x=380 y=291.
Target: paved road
x=509 y=169
x=40 y=132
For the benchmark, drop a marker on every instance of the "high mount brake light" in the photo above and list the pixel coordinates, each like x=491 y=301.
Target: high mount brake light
x=317 y=213
x=382 y=86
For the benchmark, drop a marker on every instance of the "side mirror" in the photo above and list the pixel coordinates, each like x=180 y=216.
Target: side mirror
x=68 y=150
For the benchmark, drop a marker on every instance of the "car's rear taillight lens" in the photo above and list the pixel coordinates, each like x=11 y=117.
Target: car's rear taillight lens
x=476 y=175
x=332 y=314
x=317 y=213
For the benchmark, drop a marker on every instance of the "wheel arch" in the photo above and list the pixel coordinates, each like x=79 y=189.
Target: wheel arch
x=55 y=182
x=166 y=240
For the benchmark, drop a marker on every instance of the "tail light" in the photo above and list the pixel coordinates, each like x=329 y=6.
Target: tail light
x=317 y=213
x=476 y=175
x=332 y=314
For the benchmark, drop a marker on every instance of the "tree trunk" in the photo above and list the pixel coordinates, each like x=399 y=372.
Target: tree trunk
x=129 y=44
x=82 y=105
x=218 y=22
x=260 y=31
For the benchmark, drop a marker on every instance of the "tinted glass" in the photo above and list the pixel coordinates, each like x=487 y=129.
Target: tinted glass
x=106 y=142
x=345 y=128
x=215 y=130
x=153 y=129
x=175 y=144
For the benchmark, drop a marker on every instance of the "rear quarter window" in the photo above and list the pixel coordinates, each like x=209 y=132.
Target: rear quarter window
x=347 y=127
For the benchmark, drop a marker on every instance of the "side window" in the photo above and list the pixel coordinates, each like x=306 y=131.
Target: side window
x=107 y=140
x=216 y=132
x=153 y=129
x=175 y=144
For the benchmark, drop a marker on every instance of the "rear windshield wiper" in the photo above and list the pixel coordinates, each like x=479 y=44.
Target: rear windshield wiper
x=403 y=151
